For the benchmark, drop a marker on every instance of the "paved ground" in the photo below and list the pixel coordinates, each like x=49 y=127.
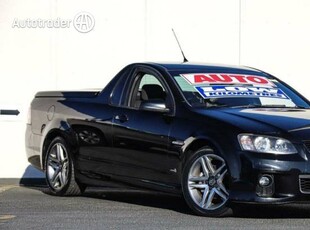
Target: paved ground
x=31 y=208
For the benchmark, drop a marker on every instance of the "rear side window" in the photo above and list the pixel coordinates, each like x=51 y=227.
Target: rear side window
x=117 y=92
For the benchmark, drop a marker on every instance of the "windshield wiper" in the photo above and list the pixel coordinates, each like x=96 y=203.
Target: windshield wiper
x=300 y=107
x=268 y=106
x=211 y=104
x=233 y=106
x=242 y=106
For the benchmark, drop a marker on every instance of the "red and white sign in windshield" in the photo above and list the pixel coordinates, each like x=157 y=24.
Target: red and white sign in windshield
x=224 y=78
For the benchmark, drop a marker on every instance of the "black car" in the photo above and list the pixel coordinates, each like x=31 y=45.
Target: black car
x=216 y=134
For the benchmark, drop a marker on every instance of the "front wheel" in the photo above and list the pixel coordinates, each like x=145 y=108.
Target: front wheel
x=59 y=170
x=205 y=183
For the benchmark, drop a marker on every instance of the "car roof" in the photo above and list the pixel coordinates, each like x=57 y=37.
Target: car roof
x=206 y=68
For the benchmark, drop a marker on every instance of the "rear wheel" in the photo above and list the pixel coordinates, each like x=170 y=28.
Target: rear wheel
x=205 y=183
x=59 y=170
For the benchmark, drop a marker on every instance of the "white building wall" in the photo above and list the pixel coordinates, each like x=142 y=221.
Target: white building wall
x=270 y=35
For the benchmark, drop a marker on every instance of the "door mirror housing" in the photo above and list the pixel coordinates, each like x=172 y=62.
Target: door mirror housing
x=154 y=105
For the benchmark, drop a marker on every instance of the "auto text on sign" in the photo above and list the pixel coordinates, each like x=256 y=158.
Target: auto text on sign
x=219 y=78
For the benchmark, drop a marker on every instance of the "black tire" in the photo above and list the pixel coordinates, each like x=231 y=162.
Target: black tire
x=205 y=183
x=59 y=170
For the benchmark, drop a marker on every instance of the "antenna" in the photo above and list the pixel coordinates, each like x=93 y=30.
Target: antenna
x=176 y=38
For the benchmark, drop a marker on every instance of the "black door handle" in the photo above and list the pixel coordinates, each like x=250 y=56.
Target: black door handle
x=121 y=118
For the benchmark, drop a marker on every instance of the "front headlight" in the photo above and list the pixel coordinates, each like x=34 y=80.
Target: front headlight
x=266 y=144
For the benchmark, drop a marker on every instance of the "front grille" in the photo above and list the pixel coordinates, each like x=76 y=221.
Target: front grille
x=307 y=144
x=304 y=184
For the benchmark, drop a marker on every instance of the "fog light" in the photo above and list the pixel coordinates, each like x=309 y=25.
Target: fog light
x=265 y=185
x=265 y=181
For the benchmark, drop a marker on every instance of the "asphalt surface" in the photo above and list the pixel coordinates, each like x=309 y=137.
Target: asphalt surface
x=32 y=208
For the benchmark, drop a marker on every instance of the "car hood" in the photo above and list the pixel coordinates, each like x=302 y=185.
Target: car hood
x=265 y=120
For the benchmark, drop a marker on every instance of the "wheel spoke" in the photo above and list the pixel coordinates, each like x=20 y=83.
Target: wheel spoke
x=204 y=197
x=62 y=178
x=198 y=179
x=54 y=184
x=221 y=194
x=204 y=167
x=198 y=186
x=64 y=172
x=53 y=163
x=65 y=165
x=210 y=198
x=209 y=164
x=220 y=182
x=221 y=177
x=50 y=171
x=222 y=187
x=60 y=153
x=54 y=153
x=55 y=179
x=56 y=172
x=218 y=171
x=58 y=149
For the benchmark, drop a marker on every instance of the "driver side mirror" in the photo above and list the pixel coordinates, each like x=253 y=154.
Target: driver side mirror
x=156 y=106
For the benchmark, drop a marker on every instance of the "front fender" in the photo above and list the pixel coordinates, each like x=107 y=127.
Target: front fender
x=224 y=146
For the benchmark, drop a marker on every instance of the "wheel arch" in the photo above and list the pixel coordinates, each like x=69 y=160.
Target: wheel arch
x=199 y=142
x=196 y=144
x=68 y=135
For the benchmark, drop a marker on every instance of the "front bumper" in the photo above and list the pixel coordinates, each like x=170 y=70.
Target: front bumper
x=290 y=178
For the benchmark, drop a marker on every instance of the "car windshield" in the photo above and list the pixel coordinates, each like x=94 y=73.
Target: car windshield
x=236 y=90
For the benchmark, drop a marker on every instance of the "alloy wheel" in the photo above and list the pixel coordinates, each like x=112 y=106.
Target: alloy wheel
x=206 y=182
x=57 y=166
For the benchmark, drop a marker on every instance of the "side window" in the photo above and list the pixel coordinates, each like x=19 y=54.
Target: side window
x=117 y=92
x=149 y=79
x=147 y=87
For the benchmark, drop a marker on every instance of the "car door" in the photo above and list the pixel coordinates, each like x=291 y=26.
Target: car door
x=96 y=153
x=141 y=132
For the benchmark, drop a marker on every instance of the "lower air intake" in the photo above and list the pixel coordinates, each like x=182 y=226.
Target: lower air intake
x=304 y=184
